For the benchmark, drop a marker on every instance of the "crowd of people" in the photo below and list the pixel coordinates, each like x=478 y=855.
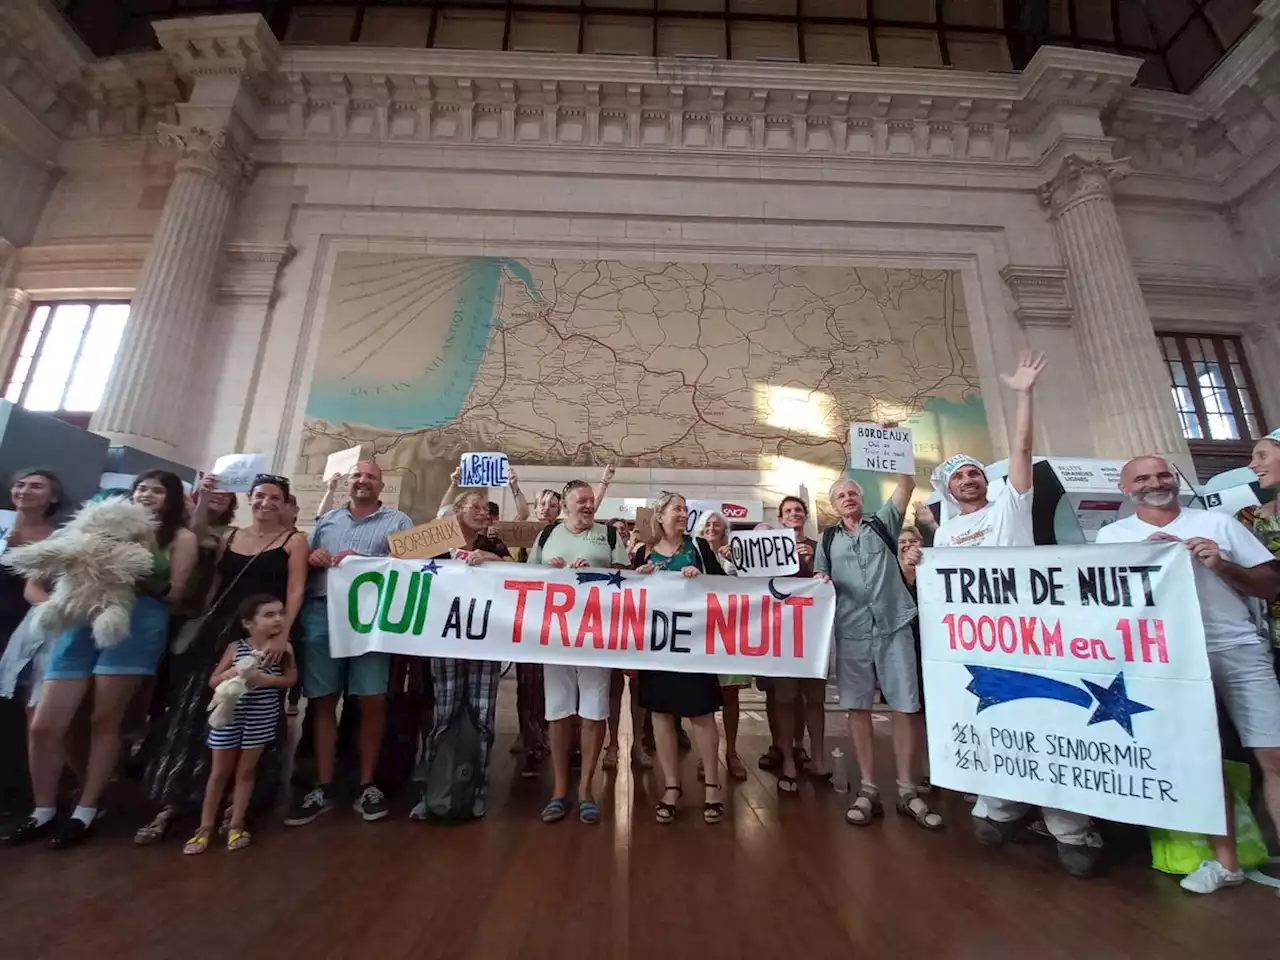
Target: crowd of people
x=219 y=596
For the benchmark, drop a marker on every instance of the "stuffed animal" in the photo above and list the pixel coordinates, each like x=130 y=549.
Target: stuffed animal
x=93 y=563
x=222 y=708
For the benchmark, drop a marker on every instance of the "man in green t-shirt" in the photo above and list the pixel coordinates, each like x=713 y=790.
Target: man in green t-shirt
x=577 y=541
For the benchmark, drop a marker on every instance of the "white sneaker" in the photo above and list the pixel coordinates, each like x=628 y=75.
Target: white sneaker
x=419 y=811
x=1210 y=877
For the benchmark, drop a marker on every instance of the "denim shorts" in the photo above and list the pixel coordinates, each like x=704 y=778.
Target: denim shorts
x=75 y=656
x=324 y=675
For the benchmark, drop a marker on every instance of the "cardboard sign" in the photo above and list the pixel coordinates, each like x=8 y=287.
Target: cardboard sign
x=644 y=521
x=764 y=553
x=236 y=470
x=431 y=539
x=881 y=449
x=590 y=618
x=518 y=533
x=485 y=470
x=1074 y=678
x=343 y=462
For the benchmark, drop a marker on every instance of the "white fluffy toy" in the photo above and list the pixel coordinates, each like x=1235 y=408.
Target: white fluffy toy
x=93 y=563
x=222 y=708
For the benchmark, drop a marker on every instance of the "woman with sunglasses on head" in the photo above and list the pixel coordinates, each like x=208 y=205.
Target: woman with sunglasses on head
x=266 y=558
x=36 y=495
x=77 y=665
x=667 y=695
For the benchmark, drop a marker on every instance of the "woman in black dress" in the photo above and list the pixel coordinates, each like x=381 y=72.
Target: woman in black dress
x=266 y=557
x=36 y=496
x=670 y=695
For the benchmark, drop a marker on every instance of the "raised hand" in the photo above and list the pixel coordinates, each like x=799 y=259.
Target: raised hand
x=1030 y=365
x=607 y=477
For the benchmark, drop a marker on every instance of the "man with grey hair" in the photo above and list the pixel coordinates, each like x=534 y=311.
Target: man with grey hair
x=874 y=642
x=1230 y=566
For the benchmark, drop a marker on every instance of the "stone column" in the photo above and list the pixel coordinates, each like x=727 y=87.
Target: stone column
x=1131 y=405
x=144 y=403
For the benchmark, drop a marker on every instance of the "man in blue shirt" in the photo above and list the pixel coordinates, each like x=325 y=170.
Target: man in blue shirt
x=360 y=528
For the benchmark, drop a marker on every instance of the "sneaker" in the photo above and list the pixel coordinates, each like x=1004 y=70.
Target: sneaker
x=419 y=811
x=993 y=833
x=1081 y=860
x=70 y=833
x=29 y=830
x=1210 y=877
x=314 y=804
x=372 y=804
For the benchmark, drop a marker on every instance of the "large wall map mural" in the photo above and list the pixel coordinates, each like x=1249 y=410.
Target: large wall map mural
x=674 y=365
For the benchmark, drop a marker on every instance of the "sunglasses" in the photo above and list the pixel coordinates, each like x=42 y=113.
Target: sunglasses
x=272 y=478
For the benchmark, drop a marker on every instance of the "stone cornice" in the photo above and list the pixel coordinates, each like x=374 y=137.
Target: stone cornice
x=250 y=270
x=1042 y=295
x=111 y=265
x=236 y=44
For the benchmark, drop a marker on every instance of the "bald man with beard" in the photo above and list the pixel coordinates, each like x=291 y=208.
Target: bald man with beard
x=1230 y=566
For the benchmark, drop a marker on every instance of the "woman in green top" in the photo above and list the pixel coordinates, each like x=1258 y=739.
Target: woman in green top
x=1264 y=520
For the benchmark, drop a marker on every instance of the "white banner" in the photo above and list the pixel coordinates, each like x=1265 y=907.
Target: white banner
x=881 y=449
x=1074 y=678
x=595 y=618
x=764 y=553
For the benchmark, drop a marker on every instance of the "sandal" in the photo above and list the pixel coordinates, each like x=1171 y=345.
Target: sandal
x=866 y=807
x=588 y=811
x=771 y=759
x=610 y=762
x=913 y=806
x=238 y=839
x=737 y=769
x=198 y=843
x=640 y=758
x=154 y=831
x=555 y=810
x=713 y=811
x=789 y=785
x=664 y=812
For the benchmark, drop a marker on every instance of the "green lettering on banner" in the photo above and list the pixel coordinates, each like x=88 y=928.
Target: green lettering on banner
x=420 y=617
x=388 y=597
x=353 y=600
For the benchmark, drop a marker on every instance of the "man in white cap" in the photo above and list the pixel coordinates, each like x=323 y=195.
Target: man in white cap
x=1006 y=522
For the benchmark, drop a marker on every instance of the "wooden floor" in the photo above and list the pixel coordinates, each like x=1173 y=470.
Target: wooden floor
x=779 y=878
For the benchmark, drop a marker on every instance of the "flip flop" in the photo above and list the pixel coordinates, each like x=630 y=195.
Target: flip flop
x=238 y=839
x=555 y=810
x=588 y=812
x=198 y=843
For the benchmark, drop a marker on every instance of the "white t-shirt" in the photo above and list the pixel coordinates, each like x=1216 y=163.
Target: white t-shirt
x=1227 y=622
x=1003 y=522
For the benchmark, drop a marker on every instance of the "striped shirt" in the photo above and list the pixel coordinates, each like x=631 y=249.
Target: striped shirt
x=257 y=711
x=367 y=536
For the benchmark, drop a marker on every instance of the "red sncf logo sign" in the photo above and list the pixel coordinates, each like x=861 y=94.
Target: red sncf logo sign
x=733 y=512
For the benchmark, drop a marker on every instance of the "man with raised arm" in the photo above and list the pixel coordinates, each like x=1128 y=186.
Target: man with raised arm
x=1230 y=565
x=1006 y=522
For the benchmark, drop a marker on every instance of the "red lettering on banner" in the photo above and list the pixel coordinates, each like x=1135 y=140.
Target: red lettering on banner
x=1080 y=648
x=797 y=605
x=776 y=626
x=523 y=589
x=633 y=618
x=614 y=615
x=1153 y=640
x=592 y=621
x=1028 y=628
x=1052 y=639
x=560 y=599
x=1011 y=634
x=987 y=634
x=753 y=646
x=724 y=625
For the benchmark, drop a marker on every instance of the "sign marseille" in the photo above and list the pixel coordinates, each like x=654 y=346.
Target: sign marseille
x=602 y=618
x=1075 y=678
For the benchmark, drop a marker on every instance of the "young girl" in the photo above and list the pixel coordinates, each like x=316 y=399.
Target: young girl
x=237 y=748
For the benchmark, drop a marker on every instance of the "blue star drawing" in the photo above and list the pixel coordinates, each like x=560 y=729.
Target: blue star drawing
x=431 y=567
x=994 y=686
x=613 y=579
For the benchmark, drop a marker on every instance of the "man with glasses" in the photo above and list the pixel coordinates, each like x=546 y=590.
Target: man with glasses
x=359 y=528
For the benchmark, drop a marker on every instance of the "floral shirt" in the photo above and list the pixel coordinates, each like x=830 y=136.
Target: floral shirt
x=1267 y=530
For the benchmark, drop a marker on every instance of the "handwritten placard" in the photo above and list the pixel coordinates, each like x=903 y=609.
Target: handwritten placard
x=518 y=533
x=881 y=449
x=485 y=470
x=428 y=540
x=1073 y=678
x=764 y=553
x=236 y=470
x=342 y=462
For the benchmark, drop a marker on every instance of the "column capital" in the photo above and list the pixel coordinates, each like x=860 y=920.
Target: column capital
x=1080 y=178
x=214 y=153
